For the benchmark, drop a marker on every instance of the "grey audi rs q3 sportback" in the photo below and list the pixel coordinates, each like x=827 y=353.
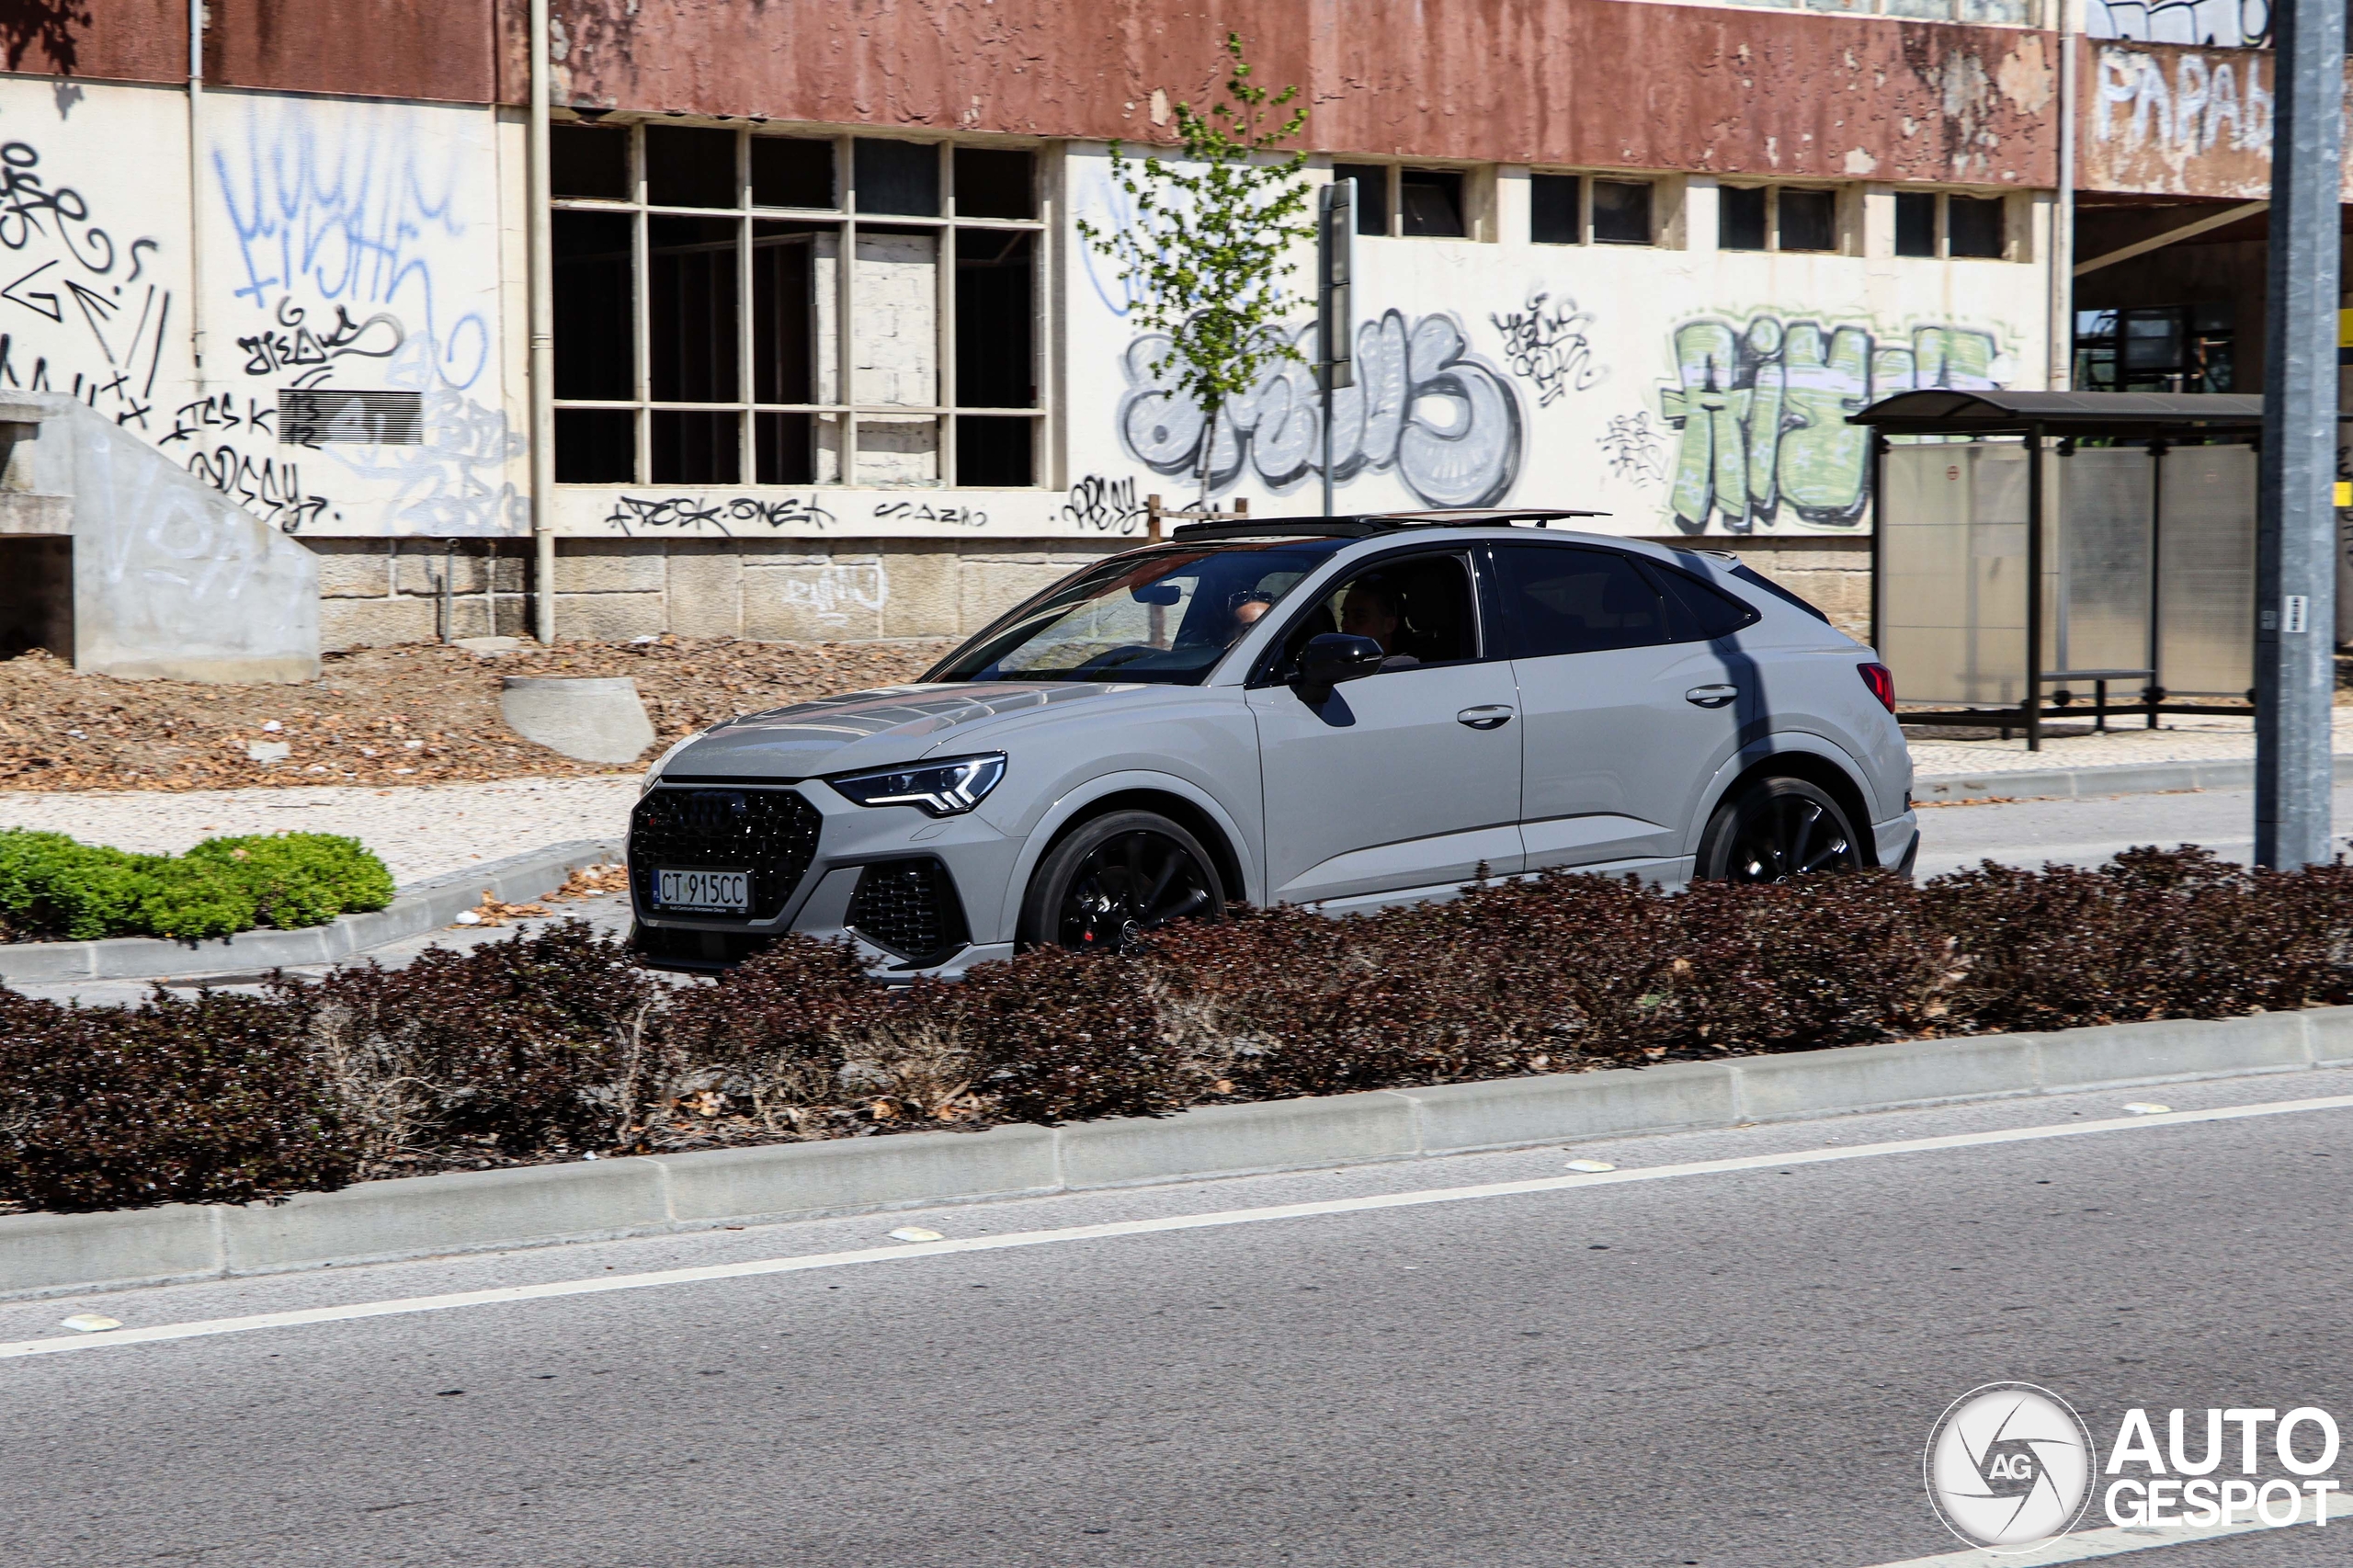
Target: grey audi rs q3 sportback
x=1333 y=712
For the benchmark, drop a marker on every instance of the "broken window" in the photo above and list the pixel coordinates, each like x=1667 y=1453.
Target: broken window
x=741 y=307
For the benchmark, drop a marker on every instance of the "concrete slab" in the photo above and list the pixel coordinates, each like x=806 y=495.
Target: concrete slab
x=1275 y=1136
x=417 y=1216
x=843 y=1175
x=1454 y=1117
x=1819 y=1082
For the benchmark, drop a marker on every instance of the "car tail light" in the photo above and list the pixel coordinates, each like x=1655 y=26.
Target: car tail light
x=1882 y=680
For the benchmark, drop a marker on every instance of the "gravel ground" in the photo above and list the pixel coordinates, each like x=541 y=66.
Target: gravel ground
x=401 y=716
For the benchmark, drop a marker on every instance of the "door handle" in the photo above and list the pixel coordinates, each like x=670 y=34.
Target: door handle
x=1711 y=696
x=1493 y=716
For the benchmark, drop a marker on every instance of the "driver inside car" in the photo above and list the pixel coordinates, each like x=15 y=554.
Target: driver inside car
x=1373 y=609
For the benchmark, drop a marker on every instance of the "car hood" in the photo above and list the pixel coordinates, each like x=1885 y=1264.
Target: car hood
x=872 y=729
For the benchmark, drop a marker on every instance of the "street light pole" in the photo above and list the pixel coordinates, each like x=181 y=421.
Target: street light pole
x=2295 y=574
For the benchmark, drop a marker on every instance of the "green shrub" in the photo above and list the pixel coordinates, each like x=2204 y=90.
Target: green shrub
x=300 y=879
x=51 y=886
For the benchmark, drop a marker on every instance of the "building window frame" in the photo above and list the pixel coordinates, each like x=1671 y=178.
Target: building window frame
x=1477 y=196
x=2012 y=245
x=1842 y=222
x=836 y=360
x=1589 y=182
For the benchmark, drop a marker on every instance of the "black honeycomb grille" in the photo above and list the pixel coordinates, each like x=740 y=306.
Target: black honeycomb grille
x=772 y=834
x=910 y=907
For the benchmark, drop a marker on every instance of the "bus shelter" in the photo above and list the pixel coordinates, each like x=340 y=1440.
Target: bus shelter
x=2040 y=549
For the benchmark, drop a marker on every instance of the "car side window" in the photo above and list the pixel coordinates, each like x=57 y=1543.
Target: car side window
x=1696 y=612
x=1565 y=599
x=1418 y=608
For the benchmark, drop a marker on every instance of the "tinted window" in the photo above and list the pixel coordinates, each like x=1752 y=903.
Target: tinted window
x=1621 y=212
x=1740 y=217
x=1809 y=220
x=588 y=160
x=1915 y=222
x=1418 y=609
x=1372 y=194
x=1565 y=599
x=1696 y=613
x=1432 y=199
x=897 y=177
x=1552 y=208
x=1973 y=226
x=791 y=171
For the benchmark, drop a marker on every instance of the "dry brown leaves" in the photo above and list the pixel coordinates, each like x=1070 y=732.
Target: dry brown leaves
x=422 y=714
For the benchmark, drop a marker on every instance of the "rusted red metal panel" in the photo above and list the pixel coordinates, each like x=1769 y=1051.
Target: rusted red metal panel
x=2170 y=121
x=1593 y=82
x=120 y=40
x=393 y=48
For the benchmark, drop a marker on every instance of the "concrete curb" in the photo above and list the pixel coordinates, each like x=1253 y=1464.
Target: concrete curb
x=49 y=1254
x=425 y=906
x=2121 y=778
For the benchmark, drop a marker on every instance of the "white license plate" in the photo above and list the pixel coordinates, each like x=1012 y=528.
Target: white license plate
x=718 y=892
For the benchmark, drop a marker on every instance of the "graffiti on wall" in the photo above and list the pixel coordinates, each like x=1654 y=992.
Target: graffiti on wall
x=1444 y=421
x=1547 y=345
x=364 y=248
x=83 y=309
x=1105 y=506
x=2213 y=24
x=1635 y=448
x=1762 y=408
x=2204 y=106
x=635 y=514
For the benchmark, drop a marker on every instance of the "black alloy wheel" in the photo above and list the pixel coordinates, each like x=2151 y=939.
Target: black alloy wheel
x=1776 y=829
x=1117 y=878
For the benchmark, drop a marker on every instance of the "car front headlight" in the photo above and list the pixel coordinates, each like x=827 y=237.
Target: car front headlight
x=654 y=774
x=936 y=789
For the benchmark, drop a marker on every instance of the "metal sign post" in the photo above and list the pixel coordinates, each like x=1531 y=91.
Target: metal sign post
x=2295 y=571
x=1336 y=244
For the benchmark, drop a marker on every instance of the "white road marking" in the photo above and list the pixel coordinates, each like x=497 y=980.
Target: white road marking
x=902 y=1251
x=2084 y=1546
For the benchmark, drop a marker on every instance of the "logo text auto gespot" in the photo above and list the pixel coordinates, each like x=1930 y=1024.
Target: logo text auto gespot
x=2178 y=1487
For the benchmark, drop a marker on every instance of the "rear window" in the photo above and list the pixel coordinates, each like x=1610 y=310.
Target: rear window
x=1756 y=579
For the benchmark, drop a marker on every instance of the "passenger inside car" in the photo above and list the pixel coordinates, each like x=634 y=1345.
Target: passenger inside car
x=1371 y=607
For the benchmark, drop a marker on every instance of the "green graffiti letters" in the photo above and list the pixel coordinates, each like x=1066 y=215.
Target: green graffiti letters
x=1763 y=412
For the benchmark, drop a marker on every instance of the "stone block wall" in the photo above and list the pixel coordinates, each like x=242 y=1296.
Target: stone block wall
x=376 y=591
x=382 y=591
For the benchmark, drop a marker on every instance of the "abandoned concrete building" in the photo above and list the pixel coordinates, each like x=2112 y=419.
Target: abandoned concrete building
x=827 y=357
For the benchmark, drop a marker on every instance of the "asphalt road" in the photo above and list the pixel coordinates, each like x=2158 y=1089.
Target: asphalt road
x=2086 y=832
x=1731 y=1369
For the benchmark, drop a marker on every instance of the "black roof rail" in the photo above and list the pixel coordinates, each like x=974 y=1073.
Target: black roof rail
x=1370 y=524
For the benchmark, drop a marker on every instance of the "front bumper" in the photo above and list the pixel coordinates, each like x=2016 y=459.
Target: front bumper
x=917 y=894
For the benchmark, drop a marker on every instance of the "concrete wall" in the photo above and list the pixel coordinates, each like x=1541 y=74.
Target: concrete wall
x=385 y=591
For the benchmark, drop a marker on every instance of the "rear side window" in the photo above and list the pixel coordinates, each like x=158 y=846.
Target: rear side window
x=1696 y=613
x=1568 y=599
x=1756 y=579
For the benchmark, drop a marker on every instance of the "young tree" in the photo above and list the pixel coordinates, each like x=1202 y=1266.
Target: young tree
x=1208 y=247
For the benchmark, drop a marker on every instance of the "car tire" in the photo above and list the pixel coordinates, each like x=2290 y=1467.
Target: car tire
x=1116 y=877
x=1773 y=829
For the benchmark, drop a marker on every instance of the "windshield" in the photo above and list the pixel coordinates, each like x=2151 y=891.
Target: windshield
x=1164 y=615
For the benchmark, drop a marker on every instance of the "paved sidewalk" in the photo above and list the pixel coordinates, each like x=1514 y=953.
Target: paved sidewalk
x=2074 y=744
x=421 y=830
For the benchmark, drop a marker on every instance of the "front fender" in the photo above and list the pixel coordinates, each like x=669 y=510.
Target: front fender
x=1074 y=801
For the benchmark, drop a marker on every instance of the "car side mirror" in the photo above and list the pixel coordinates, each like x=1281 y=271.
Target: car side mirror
x=1331 y=658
